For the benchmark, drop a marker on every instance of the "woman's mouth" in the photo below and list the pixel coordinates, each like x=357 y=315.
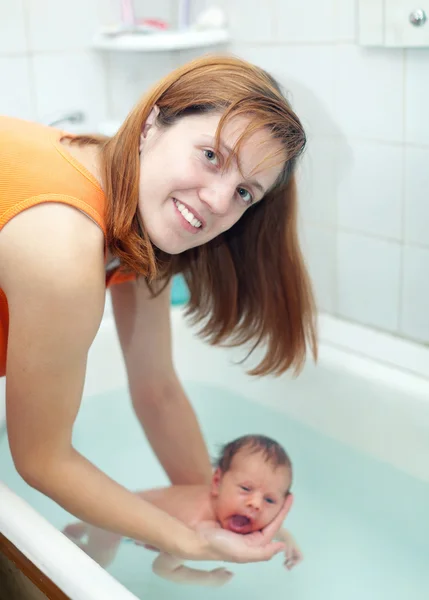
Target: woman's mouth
x=190 y=218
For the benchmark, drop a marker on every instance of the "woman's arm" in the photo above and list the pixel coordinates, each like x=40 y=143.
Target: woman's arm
x=53 y=276
x=51 y=269
x=160 y=403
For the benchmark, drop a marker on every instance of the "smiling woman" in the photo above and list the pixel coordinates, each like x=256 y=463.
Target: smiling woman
x=199 y=180
x=206 y=190
x=215 y=138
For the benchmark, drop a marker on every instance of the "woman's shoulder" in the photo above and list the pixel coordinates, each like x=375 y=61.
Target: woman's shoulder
x=55 y=244
x=35 y=168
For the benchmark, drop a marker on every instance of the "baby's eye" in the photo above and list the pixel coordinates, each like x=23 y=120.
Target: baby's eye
x=212 y=157
x=245 y=195
x=270 y=500
x=245 y=488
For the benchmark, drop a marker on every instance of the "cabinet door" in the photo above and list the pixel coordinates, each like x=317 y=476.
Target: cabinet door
x=406 y=23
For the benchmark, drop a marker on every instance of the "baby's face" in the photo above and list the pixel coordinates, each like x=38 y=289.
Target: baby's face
x=251 y=494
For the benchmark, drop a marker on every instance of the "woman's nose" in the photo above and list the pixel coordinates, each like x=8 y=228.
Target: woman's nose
x=217 y=197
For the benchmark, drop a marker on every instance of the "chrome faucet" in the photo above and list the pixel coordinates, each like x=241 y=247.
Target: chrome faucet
x=72 y=117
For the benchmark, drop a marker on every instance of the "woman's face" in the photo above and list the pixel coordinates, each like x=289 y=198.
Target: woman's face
x=186 y=198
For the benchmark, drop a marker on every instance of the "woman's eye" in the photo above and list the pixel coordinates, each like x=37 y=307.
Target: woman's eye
x=245 y=195
x=212 y=157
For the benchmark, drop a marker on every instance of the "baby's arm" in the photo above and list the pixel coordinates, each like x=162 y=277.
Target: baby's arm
x=293 y=554
x=172 y=568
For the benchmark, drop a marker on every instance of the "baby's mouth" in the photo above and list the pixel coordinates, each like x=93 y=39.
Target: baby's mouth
x=239 y=524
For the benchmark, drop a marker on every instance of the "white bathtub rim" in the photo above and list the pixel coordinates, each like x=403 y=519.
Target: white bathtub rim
x=384 y=373
x=66 y=565
x=394 y=362
x=379 y=346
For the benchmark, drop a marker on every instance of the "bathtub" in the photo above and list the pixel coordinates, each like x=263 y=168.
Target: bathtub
x=364 y=410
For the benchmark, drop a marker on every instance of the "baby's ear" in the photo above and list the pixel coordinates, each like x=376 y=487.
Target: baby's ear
x=216 y=479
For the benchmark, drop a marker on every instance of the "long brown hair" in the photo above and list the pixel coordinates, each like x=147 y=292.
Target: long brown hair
x=250 y=284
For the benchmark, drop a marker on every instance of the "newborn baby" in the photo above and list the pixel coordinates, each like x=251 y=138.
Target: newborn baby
x=250 y=484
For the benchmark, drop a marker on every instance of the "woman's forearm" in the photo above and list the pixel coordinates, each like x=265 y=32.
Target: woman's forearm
x=161 y=405
x=173 y=431
x=89 y=494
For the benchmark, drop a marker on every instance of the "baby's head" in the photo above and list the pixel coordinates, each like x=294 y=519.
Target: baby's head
x=252 y=479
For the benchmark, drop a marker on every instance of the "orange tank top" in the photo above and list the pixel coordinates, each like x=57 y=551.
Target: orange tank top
x=35 y=168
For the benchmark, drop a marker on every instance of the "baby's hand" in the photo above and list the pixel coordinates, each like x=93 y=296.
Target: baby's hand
x=293 y=554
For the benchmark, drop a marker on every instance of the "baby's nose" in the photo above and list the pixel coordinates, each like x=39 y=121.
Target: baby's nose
x=255 y=501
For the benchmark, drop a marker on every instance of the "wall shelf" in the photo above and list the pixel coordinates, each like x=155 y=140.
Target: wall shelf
x=160 y=42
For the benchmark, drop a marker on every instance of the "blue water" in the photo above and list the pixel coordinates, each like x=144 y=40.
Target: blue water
x=179 y=291
x=362 y=525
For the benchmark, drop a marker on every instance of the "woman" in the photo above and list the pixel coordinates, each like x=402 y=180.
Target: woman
x=199 y=180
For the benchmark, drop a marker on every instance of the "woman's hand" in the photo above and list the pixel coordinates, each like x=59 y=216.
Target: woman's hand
x=224 y=545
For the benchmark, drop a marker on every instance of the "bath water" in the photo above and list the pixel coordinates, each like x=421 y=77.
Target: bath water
x=363 y=525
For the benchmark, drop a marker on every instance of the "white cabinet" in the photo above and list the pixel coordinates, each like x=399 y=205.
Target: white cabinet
x=394 y=23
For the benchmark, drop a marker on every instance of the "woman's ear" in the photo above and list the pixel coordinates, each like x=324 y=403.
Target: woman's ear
x=148 y=125
x=216 y=480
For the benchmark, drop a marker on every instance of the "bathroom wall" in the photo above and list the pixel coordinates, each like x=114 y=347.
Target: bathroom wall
x=46 y=65
x=364 y=179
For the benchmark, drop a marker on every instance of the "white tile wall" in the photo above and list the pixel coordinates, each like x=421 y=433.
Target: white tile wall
x=369 y=89
x=320 y=249
x=78 y=84
x=364 y=178
x=18 y=101
x=317 y=182
x=12 y=28
x=307 y=76
x=415 y=294
x=131 y=74
x=242 y=21
x=369 y=280
x=417 y=96
x=56 y=25
x=312 y=21
x=370 y=194
x=108 y=12
x=417 y=195
x=345 y=23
